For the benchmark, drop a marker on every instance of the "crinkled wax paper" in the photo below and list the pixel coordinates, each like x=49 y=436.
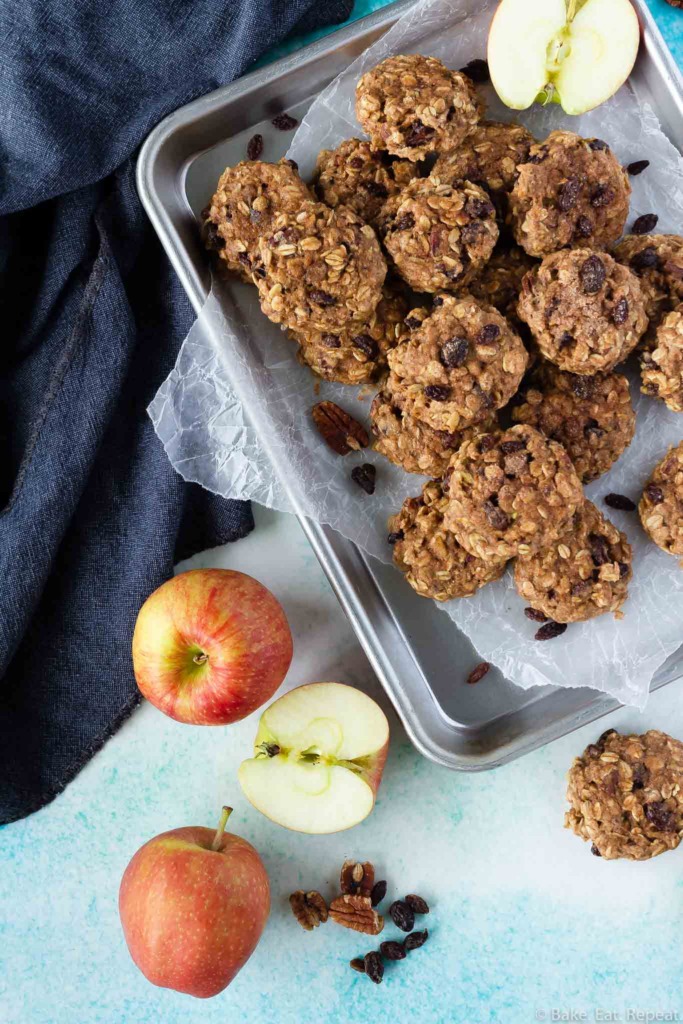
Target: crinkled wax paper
x=234 y=415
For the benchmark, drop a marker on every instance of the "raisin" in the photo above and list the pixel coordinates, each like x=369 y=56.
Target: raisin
x=394 y=538
x=475 y=676
x=402 y=915
x=393 y=950
x=592 y=429
x=284 y=122
x=644 y=224
x=659 y=817
x=375 y=188
x=623 y=569
x=568 y=193
x=646 y=259
x=639 y=775
x=584 y=227
x=477 y=70
x=293 y=164
x=476 y=207
x=581 y=587
x=412 y=322
x=487 y=442
x=597 y=144
x=566 y=339
x=415 y=940
x=620 y=312
x=357 y=965
x=592 y=274
x=212 y=239
x=654 y=493
x=322 y=298
x=255 y=147
x=498 y=519
x=602 y=195
x=637 y=167
x=621 y=502
x=379 y=889
x=454 y=352
x=539 y=156
x=419 y=905
x=488 y=333
x=243 y=258
x=418 y=134
x=535 y=615
x=604 y=736
x=366 y=344
x=582 y=387
x=331 y=341
x=508 y=447
x=356 y=162
x=595 y=851
x=551 y=630
x=599 y=547
x=405 y=222
x=365 y=476
x=438 y=392
x=374 y=968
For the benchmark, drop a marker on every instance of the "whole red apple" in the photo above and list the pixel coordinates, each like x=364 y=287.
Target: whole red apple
x=193 y=905
x=210 y=646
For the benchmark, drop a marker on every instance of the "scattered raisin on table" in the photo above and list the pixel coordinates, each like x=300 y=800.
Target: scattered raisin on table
x=379 y=891
x=415 y=940
x=551 y=630
x=365 y=476
x=475 y=676
x=284 y=122
x=255 y=147
x=621 y=502
x=402 y=915
x=535 y=615
x=374 y=968
x=417 y=904
x=358 y=964
x=642 y=225
x=393 y=950
x=477 y=70
x=637 y=167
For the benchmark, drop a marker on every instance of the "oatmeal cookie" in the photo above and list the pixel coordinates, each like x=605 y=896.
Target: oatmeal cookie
x=626 y=795
x=570 y=192
x=246 y=200
x=433 y=562
x=359 y=353
x=323 y=269
x=582 y=574
x=657 y=261
x=413 y=106
x=586 y=311
x=662 y=365
x=356 y=175
x=500 y=281
x=438 y=235
x=592 y=417
x=415 y=446
x=488 y=156
x=461 y=364
x=661 y=506
x=510 y=494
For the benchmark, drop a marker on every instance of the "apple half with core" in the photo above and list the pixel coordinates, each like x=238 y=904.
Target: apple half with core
x=573 y=52
x=210 y=646
x=193 y=904
x=318 y=758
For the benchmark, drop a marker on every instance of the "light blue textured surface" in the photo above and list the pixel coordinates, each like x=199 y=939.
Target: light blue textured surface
x=525 y=921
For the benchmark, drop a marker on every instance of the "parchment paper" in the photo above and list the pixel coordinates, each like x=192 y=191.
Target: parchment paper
x=234 y=414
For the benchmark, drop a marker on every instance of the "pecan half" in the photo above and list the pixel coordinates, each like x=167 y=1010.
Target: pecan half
x=309 y=908
x=356 y=912
x=340 y=431
x=356 y=878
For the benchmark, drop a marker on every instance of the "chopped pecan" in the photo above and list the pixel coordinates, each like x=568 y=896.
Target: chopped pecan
x=339 y=430
x=356 y=912
x=309 y=908
x=356 y=878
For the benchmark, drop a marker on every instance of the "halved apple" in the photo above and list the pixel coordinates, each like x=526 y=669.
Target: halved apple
x=574 y=52
x=318 y=758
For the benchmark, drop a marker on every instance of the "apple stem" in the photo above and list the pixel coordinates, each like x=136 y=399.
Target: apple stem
x=571 y=10
x=218 y=838
x=201 y=658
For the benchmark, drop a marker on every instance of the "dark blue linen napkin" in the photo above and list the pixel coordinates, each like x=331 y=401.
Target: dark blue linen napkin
x=92 y=516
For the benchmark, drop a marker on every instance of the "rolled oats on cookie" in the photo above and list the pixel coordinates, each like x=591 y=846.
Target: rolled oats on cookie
x=244 y=205
x=657 y=262
x=661 y=506
x=435 y=565
x=499 y=282
x=593 y=417
x=571 y=192
x=438 y=235
x=661 y=365
x=585 y=311
x=413 y=106
x=459 y=366
x=488 y=156
x=356 y=175
x=582 y=574
x=413 y=445
x=626 y=795
x=323 y=269
x=511 y=493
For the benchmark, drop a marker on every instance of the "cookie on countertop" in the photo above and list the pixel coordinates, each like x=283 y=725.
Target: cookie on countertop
x=413 y=106
x=585 y=310
x=661 y=366
x=438 y=235
x=247 y=199
x=356 y=175
x=570 y=192
x=359 y=353
x=413 y=445
x=661 y=506
x=511 y=493
x=626 y=795
x=488 y=156
x=657 y=262
x=435 y=565
x=582 y=574
x=593 y=417
x=459 y=366
x=323 y=268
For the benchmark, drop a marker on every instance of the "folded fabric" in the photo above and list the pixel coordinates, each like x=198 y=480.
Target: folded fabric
x=92 y=516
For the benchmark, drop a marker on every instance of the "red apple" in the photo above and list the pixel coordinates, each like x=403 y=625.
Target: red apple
x=210 y=646
x=193 y=905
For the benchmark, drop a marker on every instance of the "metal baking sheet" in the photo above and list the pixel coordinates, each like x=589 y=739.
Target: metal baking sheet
x=419 y=655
